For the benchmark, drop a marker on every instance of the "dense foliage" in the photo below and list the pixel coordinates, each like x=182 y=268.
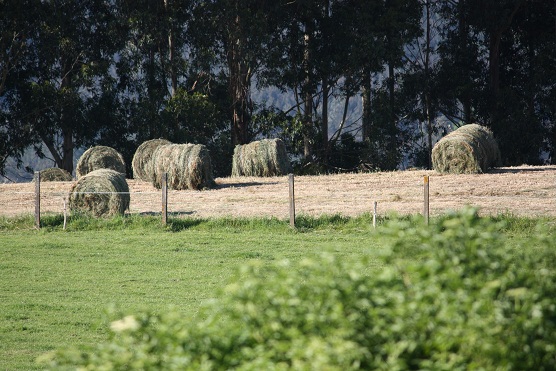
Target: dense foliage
x=453 y=296
x=225 y=72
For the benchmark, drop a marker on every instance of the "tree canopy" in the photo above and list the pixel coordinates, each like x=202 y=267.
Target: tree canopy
x=346 y=84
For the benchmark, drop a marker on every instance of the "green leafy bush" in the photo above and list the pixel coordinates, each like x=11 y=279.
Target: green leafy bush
x=466 y=302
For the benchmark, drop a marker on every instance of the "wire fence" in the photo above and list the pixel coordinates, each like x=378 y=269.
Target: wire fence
x=520 y=192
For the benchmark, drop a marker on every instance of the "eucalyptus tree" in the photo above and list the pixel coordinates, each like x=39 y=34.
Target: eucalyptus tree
x=380 y=32
x=18 y=26
x=311 y=57
x=522 y=80
x=230 y=40
x=152 y=64
x=462 y=65
x=68 y=58
x=333 y=47
x=292 y=61
x=496 y=69
x=420 y=90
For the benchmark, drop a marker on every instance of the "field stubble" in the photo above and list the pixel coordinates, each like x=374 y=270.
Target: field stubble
x=523 y=191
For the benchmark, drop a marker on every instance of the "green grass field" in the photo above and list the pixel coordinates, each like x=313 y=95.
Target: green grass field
x=56 y=285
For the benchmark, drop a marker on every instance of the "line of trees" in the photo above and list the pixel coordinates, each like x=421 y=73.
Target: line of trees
x=119 y=72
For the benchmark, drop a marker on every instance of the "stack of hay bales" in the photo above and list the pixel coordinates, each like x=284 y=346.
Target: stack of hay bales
x=142 y=163
x=55 y=174
x=471 y=149
x=100 y=157
x=266 y=157
x=188 y=166
x=102 y=192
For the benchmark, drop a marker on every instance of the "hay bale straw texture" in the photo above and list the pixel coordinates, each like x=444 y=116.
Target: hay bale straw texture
x=471 y=149
x=55 y=174
x=99 y=157
x=142 y=163
x=99 y=193
x=188 y=166
x=267 y=157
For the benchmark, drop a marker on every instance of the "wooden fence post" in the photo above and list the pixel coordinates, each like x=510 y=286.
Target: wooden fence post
x=164 y=199
x=426 y=200
x=38 y=199
x=292 y=201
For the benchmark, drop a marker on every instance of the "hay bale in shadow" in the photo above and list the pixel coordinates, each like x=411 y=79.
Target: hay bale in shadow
x=55 y=174
x=471 y=149
x=99 y=157
x=188 y=166
x=142 y=163
x=267 y=157
x=102 y=192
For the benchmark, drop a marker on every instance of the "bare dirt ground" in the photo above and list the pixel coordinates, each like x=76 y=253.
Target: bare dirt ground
x=524 y=190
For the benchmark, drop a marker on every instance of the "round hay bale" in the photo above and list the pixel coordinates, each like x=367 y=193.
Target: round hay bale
x=267 y=157
x=142 y=159
x=471 y=149
x=188 y=166
x=99 y=193
x=55 y=174
x=99 y=157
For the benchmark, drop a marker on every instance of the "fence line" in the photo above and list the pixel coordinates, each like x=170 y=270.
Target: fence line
x=524 y=191
x=334 y=195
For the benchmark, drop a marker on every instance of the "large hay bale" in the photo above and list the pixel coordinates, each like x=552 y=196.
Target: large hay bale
x=471 y=149
x=142 y=163
x=99 y=157
x=55 y=174
x=102 y=192
x=266 y=157
x=188 y=166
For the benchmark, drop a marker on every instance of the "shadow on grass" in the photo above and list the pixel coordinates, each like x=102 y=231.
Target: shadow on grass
x=241 y=185
x=506 y=170
x=182 y=224
x=81 y=222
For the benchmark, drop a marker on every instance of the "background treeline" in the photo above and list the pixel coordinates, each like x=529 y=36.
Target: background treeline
x=345 y=83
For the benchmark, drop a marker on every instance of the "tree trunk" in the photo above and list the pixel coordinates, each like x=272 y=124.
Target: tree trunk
x=67 y=158
x=171 y=51
x=495 y=38
x=307 y=95
x=239 y=91
x=428 y=109
x=64 y=160
x=391 y=130
x=239 y=84
x=366 y=97
x=494 y=72
x=324 y=122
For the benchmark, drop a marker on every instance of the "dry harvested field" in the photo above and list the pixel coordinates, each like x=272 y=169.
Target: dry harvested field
x=523 y=190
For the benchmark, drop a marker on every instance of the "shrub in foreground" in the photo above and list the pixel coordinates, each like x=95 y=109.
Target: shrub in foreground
x=469 y=301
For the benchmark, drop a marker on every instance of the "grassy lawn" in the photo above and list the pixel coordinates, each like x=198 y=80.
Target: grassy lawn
x=56 y=285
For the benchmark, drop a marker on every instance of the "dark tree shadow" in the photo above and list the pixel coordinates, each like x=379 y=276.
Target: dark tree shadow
x=242 y=185
x=506 y=170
